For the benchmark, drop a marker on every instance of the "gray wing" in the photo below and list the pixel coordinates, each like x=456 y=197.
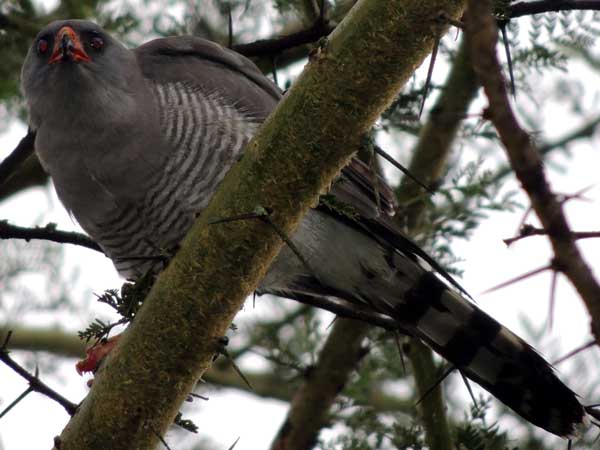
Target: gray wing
x=212 y=68
x=374 y=203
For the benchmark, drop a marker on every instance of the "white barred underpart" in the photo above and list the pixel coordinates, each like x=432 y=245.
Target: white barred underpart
x=207 y=136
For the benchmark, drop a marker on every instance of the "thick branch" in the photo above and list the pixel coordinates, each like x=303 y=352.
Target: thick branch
x=221 y=375
x=585 y=130
x=309 y=411
x=432 y=407
x=292 y=159
x=526 y=161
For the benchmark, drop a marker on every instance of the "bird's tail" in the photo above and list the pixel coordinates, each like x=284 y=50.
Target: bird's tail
x=490 y=354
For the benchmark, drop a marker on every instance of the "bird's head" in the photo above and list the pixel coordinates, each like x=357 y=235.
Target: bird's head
x=74 y=64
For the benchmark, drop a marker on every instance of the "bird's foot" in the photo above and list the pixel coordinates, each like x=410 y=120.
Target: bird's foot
x=95 y=354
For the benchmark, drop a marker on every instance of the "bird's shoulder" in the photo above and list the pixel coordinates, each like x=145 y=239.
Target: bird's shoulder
x=210 y=67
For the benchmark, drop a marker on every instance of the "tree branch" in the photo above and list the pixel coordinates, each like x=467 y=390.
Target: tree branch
x=286 y=166
x=35 y=384
x=432 y=406
x=525 y=159
x=13 y=161
x=221 y=375
x=274 y=46
x=46 y=233
x=585 y=130
x=542 y=6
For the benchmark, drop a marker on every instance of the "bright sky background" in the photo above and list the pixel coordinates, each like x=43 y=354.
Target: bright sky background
x=229 y=414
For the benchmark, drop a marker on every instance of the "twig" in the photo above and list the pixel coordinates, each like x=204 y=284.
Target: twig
x=35 y=384
x=21 y=152
x=269 y=47
x=525 y=159
x=47 y=233
x=542 y=6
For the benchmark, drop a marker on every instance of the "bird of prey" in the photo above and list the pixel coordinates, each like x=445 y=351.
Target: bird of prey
x=137 y=141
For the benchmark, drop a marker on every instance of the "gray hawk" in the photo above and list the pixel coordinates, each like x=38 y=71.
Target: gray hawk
x=136 y=142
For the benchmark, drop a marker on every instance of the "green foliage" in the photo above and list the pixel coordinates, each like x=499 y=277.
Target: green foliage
x=458 y=208
x=126 y=304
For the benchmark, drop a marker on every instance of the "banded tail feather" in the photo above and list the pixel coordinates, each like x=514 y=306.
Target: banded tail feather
x=491 y=355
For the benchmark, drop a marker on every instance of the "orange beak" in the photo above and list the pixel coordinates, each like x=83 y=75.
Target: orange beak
x=67 y=47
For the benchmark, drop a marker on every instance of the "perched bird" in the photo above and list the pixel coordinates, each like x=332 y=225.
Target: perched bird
x=137 y=141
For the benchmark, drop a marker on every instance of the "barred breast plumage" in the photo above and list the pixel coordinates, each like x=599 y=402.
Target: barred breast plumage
x=207 y=135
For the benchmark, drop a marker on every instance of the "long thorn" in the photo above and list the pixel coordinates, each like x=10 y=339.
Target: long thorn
x=511 y=74
x=401 y=168
x=552 y=300
x=436 y=384
x=436 y=46
x=574 y=352
x=162 y=440
x=234 y=444
x=6 y=340
x=468 y=385
x=225 y=353
x=517 y=279
x=400 y=352
x=14 y=403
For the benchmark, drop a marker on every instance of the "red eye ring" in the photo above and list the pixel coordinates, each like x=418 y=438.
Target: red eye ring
x=42 y=46
x=96 y=42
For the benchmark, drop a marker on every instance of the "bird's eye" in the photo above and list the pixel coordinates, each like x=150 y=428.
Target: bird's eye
x=42 y=46
x=96 y=42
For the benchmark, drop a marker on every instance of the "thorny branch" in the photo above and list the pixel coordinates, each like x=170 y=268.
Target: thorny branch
x=35 y=384
x=48 y=233
x=525 y=160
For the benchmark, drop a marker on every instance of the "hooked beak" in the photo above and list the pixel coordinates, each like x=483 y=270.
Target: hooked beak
x=67 y=47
